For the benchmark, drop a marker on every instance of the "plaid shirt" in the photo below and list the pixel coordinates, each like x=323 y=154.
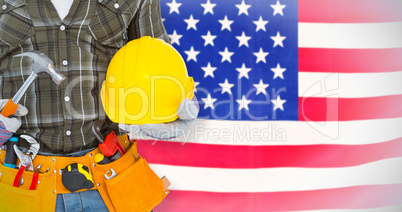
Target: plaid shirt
x=81 y=46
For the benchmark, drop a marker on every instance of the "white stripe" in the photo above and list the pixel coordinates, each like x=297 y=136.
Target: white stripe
x=150 y=18
x=82 y=98
x=255 y=133
x=350 y=85
x=89 y=27
x=360 y=35
x=279 y=179
x=394 y=208
x=25 y=96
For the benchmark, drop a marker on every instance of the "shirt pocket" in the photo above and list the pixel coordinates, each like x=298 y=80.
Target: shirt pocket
x=109 y=23
x=15 y=26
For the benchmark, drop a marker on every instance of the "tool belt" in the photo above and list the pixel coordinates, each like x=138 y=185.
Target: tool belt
x=127 y=184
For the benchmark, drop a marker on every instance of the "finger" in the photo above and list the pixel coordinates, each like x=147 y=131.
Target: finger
x=21 y=111
x=3 y=102
x=155 y=127
x=12 y=124
x=124 y=127
x=160 y=131
x=189 y=110
x=132 y=128
x=167 y=131
x=179 y=128
x=193 y=110
x=195 y=100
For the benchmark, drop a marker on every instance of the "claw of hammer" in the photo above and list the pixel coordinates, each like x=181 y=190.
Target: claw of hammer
x=43 y=64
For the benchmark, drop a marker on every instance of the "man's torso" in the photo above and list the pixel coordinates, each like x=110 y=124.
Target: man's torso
x=81 y=46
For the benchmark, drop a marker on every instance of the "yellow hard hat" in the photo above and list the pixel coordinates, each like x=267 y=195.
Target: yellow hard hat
x=145 y=83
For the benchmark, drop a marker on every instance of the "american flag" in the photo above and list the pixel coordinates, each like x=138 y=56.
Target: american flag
x=300 y=106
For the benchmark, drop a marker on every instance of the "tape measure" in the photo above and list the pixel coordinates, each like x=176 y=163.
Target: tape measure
x=76 y=177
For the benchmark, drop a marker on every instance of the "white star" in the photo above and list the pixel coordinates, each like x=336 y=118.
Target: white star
x=261 y=56
x=209 y=71
x=260 y=24
x=278 y=8
x=278 y=71
x=174 y=38
x=243 y=8
x=226 y=86
x=191 y=54
x=226 y=23
x=243 y=71
x=174 y=7
x=191 y=22
x=208 y=7
x=243 y=39
x=278 y=39
x=195 y=86
x=261 y=87
x=226 y=55
x=209 y=102
x=209 y=39
x=278 y=103
x=243 y=103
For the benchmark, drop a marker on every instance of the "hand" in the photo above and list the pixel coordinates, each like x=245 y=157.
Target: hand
x=10 y=125
x=187 y=112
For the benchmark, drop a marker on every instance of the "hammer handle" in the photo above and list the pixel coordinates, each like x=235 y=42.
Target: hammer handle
x=9 y=108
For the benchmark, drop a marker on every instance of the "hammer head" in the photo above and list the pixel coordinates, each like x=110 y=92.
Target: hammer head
x=43 y=64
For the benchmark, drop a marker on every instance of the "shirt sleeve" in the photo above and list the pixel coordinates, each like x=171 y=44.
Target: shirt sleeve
x=148 y=22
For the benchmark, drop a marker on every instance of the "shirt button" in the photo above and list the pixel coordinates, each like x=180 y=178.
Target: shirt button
x=66 y=98
x=4 y=7
x=62 y=27
x=116 y=5
x=65 y=62
x=100 y=1
x=68 y=132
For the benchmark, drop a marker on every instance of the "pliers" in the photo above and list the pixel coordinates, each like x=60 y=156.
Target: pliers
x=26 y=162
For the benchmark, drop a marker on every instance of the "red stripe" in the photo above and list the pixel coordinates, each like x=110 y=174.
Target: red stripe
x=347 y=109
x=359 y=197
x=350 y=11
x=350 y=60
x=230 y=156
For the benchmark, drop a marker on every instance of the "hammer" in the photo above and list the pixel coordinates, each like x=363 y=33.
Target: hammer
x=42 y=64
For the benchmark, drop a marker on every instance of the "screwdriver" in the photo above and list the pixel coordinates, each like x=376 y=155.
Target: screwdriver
x=101 y=159
x=10 y=159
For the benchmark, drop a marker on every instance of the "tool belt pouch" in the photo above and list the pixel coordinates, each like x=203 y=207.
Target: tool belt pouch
x=135 y=187
x=18 y=199
x=23 y=199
